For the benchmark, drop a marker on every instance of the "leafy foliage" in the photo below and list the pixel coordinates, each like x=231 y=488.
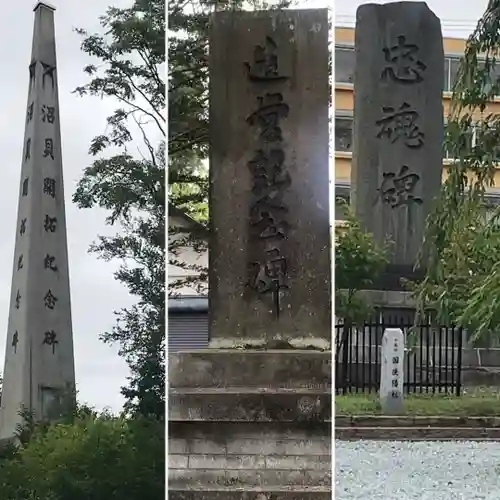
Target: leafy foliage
x=462 y=240
x=91 y=457
x=131 y=56
x=358 y=261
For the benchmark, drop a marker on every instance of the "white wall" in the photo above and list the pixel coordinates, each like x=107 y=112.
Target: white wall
x=190 y=257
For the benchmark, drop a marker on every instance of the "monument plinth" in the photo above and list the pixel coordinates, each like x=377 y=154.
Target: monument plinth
x=39 y=362
x=247 y=421
x=398 y=128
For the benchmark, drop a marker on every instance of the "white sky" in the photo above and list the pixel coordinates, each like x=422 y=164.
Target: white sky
x=453 y=24
x=95 y=293
x=458 y=17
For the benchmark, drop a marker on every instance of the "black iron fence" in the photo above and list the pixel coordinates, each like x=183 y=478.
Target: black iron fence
x=433 y=356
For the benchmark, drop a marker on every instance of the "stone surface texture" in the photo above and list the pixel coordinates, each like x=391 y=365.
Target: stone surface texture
x=39 y=361
x=416 y=471
x=398 y=124
x=236 y=433
x=239 y=315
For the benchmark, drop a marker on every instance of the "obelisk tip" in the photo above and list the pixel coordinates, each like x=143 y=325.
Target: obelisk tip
x=44 y=4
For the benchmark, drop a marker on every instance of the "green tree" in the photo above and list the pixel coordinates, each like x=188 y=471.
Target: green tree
x=358 y=262
x=188 y=138
x=131 y=57
x=462 y=240
x=92 y=457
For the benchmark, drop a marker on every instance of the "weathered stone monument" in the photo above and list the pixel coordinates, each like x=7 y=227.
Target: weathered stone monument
x=398 y=128
x=247 y=421
x=270 y=241
x=39 y=362
x=392 y=371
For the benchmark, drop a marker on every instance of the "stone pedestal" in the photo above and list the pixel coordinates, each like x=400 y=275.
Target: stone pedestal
x=250 y=425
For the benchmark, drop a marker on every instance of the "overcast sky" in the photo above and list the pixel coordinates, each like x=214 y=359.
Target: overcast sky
x=94 y=292
x=458 y=17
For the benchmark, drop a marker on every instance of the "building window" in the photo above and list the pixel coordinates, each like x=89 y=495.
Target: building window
x=343 y=134
x=344 y=64
x=454 y=67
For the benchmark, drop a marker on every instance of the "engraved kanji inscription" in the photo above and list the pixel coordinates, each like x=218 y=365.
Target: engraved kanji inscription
x=27 y=151
x=50 y=300
x=50 y=339
x=394 y=394
x=49 y=262
x=24 y=190
x=402 y=63
x=49 y=186
x=29 y=114
x=270 y=109
x=18 y=300
x=50 y=224
x=264 y=67
x=22 y=229
x=15 y=340
x=399 y=189
x=49 y=148
x=270 y=275
x=401 y=124
x=48 y=114
x=395 y=360
x=395 y=383
x=48 y=72
x=269 y=182
x=32 y=67
x=20 y=262
x=395 y=372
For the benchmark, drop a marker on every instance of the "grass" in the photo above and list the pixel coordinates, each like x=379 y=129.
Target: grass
x=474 y=402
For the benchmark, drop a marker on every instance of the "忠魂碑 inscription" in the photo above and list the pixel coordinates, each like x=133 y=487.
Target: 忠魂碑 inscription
x=402 y=63
x=397 y=190
x=401 y=124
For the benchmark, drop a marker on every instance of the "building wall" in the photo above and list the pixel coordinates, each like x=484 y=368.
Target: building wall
x=190 y=257
x=344 y=69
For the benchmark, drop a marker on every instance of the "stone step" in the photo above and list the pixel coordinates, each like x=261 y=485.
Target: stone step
x=418 y=433
x=231 y=493
x=249 y=405
x=243 y=479
x=415 y=421
x=213 y=368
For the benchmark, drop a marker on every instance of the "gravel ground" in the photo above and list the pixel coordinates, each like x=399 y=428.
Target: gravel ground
x=424 y=470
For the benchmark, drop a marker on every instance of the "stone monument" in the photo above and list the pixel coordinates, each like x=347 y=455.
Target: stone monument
x=269 y=264
x=392 y=371
x=398 y=128
x=39 y=361
x=247 y=420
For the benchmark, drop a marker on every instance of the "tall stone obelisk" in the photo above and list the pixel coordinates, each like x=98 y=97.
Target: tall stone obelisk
x=39 y=360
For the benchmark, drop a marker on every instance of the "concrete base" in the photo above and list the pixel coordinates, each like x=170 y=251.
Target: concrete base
x=250 y=425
